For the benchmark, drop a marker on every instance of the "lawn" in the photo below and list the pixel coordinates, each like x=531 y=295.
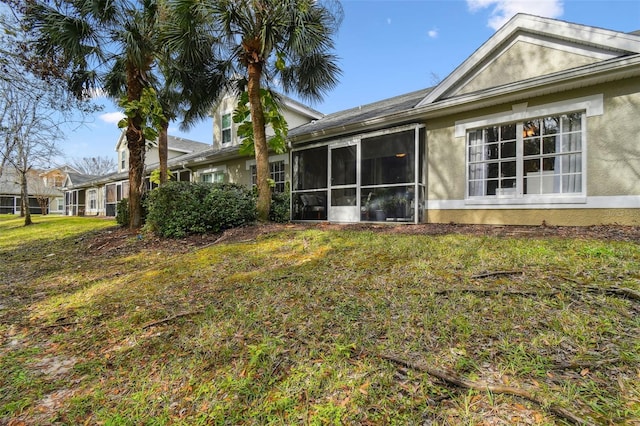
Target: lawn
x=316 y=325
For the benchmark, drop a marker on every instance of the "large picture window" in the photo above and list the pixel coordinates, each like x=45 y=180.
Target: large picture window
x=541 y=156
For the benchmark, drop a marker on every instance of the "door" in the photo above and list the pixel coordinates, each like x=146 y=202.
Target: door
x=343 y=184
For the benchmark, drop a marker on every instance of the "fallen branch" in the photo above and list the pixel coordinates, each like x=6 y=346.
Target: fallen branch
x=579 y=365
x=171 y=318
x=613 y=290
x=495 y=273
x=456 y=380
x=486 y=292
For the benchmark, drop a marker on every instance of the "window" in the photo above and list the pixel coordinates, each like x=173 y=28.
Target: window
x=226 y=128
x=93 y=199
x=212 y=177
x=123 y=160
x=541 y=156
x=276 y=173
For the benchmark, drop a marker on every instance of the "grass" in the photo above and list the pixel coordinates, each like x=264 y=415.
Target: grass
x=286 y=328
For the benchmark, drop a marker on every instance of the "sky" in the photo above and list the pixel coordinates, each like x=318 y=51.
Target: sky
x=387 y=48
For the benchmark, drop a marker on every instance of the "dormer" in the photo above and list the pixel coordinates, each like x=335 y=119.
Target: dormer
x=225 y=131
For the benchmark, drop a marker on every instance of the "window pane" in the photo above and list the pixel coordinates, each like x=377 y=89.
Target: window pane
x=532 y=146
x=382 y=204
x=388 y=159
x=493 y=170
x=508 y=132
x=572 y=183
x=492 y=152
x=531 y=128
x=508 y=169
x=310 y=168
x=572 y=122
x=572 y=163
x=549 y=145
x=492 y=134
x=531 y=166
x=310 y=206
x=508 y=149
x=343 y=166
x=549 y=164
x=343 y=197
x=226 y=121
x=572 y=142
x=551 y=125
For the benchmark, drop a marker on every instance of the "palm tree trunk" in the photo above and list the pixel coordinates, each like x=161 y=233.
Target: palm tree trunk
x=260 y=141
x=163 y=151
x=136 y=145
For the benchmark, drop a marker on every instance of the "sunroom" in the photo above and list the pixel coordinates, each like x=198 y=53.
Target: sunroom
x=372 y=177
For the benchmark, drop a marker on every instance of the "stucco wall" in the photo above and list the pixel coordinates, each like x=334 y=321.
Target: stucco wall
x=613 y=143
x=551 y=217
x=522 y=61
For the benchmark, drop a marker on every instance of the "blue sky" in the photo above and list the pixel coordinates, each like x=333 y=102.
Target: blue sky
x=391 y=47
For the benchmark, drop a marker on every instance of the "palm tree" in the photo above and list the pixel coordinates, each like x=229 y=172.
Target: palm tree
x=285 y=43
x=92 y=38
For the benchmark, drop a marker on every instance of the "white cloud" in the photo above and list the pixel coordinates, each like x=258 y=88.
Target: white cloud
x=433 y=33
x=503 y=10
x=111 y=117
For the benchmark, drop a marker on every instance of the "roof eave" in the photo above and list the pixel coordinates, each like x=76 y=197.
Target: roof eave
x=558 y=82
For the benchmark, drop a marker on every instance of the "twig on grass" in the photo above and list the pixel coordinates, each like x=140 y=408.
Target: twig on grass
x=487 y=292
x=171 y=318
x=456 y=380
x=495 y=273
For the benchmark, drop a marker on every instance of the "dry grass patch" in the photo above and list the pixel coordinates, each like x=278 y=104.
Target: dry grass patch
x=325 y=326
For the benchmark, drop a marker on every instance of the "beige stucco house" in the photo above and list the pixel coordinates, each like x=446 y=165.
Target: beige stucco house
x=539 y=125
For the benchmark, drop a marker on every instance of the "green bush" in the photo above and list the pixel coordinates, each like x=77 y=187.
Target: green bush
x=280 y=202
x=182 y=208
x=122 y=212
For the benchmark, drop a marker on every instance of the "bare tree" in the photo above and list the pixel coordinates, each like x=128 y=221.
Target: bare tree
x=96 y=166
x=32 y=110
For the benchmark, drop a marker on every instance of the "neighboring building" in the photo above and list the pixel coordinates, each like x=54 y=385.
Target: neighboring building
x=539 y=125
x=187 y=160
x=44 y=196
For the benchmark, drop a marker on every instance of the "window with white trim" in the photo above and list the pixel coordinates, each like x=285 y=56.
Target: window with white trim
x=276 y=173
x=225 y=127
x=93 y=199
x=212 y=177
x=532 y=157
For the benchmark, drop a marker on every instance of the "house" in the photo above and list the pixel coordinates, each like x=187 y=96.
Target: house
x=44 y=195
x=99 y=195
x=539 y=125
x=188 y=160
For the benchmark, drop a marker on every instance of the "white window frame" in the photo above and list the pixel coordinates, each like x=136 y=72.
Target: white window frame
x=215 y=173
x=589 y=105
x=92 y=196
x=250 y=167
x=224 y=129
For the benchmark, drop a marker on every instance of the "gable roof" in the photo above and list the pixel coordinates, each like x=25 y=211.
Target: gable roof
x=175 y=143
x=590 y=42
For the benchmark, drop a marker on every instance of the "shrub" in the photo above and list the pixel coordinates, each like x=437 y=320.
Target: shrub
x=280 y=202
x=122 y=212
x=182 y=208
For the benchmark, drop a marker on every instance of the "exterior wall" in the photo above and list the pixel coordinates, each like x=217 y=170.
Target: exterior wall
x=611 y=146
x=227 y=105
x=522 y=61
x=551 y=217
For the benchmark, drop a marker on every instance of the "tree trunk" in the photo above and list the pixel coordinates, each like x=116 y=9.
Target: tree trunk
x=136 y=146
x=260 y=141
x=24 y=202
x=163 y=152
